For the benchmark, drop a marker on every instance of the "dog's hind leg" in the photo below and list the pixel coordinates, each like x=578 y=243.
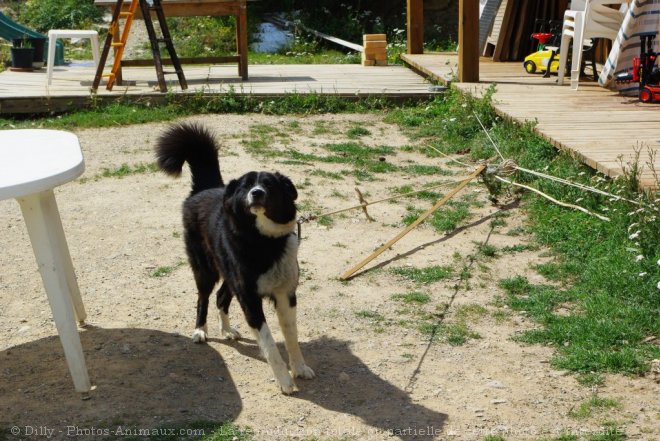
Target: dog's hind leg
x=205 y=277
x=286 y=313
x=204 y=289
x=254 y=313
x=223 y=300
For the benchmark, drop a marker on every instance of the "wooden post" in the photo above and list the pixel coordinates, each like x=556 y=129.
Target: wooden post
x=468 y=41
x=415 y=23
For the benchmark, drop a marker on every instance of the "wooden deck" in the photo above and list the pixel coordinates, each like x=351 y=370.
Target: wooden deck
x=597 y=125
x=22 y=92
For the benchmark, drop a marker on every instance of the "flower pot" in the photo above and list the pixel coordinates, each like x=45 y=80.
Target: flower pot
x=39 y=47
x=22 y=57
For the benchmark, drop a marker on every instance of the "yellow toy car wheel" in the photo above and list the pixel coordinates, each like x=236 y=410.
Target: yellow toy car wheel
x=530 y=66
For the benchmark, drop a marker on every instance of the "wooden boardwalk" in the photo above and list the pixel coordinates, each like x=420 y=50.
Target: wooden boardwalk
x=598 y=126
x=22 y=92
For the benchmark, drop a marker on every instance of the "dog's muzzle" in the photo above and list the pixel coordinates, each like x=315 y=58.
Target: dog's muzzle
x=256 y=197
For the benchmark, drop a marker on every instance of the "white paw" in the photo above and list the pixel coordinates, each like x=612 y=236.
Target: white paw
x=287 y=385
x=199 y=336
x=231 y=334
x=304 y=371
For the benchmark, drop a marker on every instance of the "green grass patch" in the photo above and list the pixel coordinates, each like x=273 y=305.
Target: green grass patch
x=325 y=221
x=517 y=231
x=326 y=174
x=128 y=170
x=424 y=276
x=429 y=170
x=486 y=249
x=412 y=214
x=455 y=334
x=195 y=431
x=494 y=438
x=413 y=297
x=371 y=315
x=591 y=379
x=365 y=160
x=356 y=132
x=127 y=110
x=163 y=271
x=470 y=312
x=556 y=271
x=444 y=220
x=594 y=404
x=564 y=437
x=609 y=431
x=449 y=217
x=518 y=248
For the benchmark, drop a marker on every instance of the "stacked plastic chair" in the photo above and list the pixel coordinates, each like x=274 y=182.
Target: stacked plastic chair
x=587 y=19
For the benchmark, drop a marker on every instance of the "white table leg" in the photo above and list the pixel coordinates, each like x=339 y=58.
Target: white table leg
x=50 y=249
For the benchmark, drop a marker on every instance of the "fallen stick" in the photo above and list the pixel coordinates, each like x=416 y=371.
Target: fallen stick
x=551 y=199
x=412 y=226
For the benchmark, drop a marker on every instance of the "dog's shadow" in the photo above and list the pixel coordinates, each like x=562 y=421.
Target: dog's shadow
x=142 y=377
x=150 y=378
x=345 y=384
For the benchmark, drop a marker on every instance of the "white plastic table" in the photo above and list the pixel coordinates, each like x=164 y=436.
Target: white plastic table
x=32 y=163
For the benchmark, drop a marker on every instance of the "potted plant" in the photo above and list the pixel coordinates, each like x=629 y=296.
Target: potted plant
x=38 y=43
x=22 y=53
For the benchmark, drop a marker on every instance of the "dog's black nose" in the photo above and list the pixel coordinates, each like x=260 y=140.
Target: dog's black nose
x=257 y=194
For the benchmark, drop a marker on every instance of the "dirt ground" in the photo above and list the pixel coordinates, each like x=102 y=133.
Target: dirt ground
x=377 y=375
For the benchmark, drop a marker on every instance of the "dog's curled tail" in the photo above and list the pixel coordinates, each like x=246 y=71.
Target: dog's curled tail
x=194 y=144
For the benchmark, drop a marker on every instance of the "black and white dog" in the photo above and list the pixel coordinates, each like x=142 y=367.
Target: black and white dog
x=242 y=233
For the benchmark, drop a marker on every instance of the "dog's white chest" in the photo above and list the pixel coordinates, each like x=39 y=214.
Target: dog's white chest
x=282 y=277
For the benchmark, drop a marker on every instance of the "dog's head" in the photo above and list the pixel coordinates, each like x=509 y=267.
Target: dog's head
x=268 y=199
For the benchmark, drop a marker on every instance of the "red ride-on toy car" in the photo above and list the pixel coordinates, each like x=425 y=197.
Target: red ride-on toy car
x=644 y=72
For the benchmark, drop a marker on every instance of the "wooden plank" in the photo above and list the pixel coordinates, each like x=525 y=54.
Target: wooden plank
x=187 y=8
x=468 y=41
x=184 y=60
x=505 y=30
x=415 y=24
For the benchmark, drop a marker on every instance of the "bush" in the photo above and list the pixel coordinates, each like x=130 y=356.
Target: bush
x=43 y=15
x=203 y=36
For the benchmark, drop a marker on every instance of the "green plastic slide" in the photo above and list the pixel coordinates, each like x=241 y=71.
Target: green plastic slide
x=10 y=29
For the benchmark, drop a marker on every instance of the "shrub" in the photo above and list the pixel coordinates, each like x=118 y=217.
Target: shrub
x=60 y=14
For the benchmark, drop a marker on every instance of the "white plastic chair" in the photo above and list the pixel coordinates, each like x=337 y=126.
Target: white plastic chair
x=590 y=19
x=54 y=34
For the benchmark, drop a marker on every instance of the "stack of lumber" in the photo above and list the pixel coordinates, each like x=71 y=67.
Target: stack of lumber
x=375 y=50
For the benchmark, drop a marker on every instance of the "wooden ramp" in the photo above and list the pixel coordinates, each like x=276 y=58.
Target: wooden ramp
x=27 y=92
x=598 y=126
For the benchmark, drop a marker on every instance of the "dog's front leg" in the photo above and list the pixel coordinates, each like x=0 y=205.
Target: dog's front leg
x=254 y=314
x=269 y=349
x=286 y=314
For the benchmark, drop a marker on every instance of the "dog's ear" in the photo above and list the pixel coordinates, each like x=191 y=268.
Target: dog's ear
x=288 y=186
x=229 y=196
